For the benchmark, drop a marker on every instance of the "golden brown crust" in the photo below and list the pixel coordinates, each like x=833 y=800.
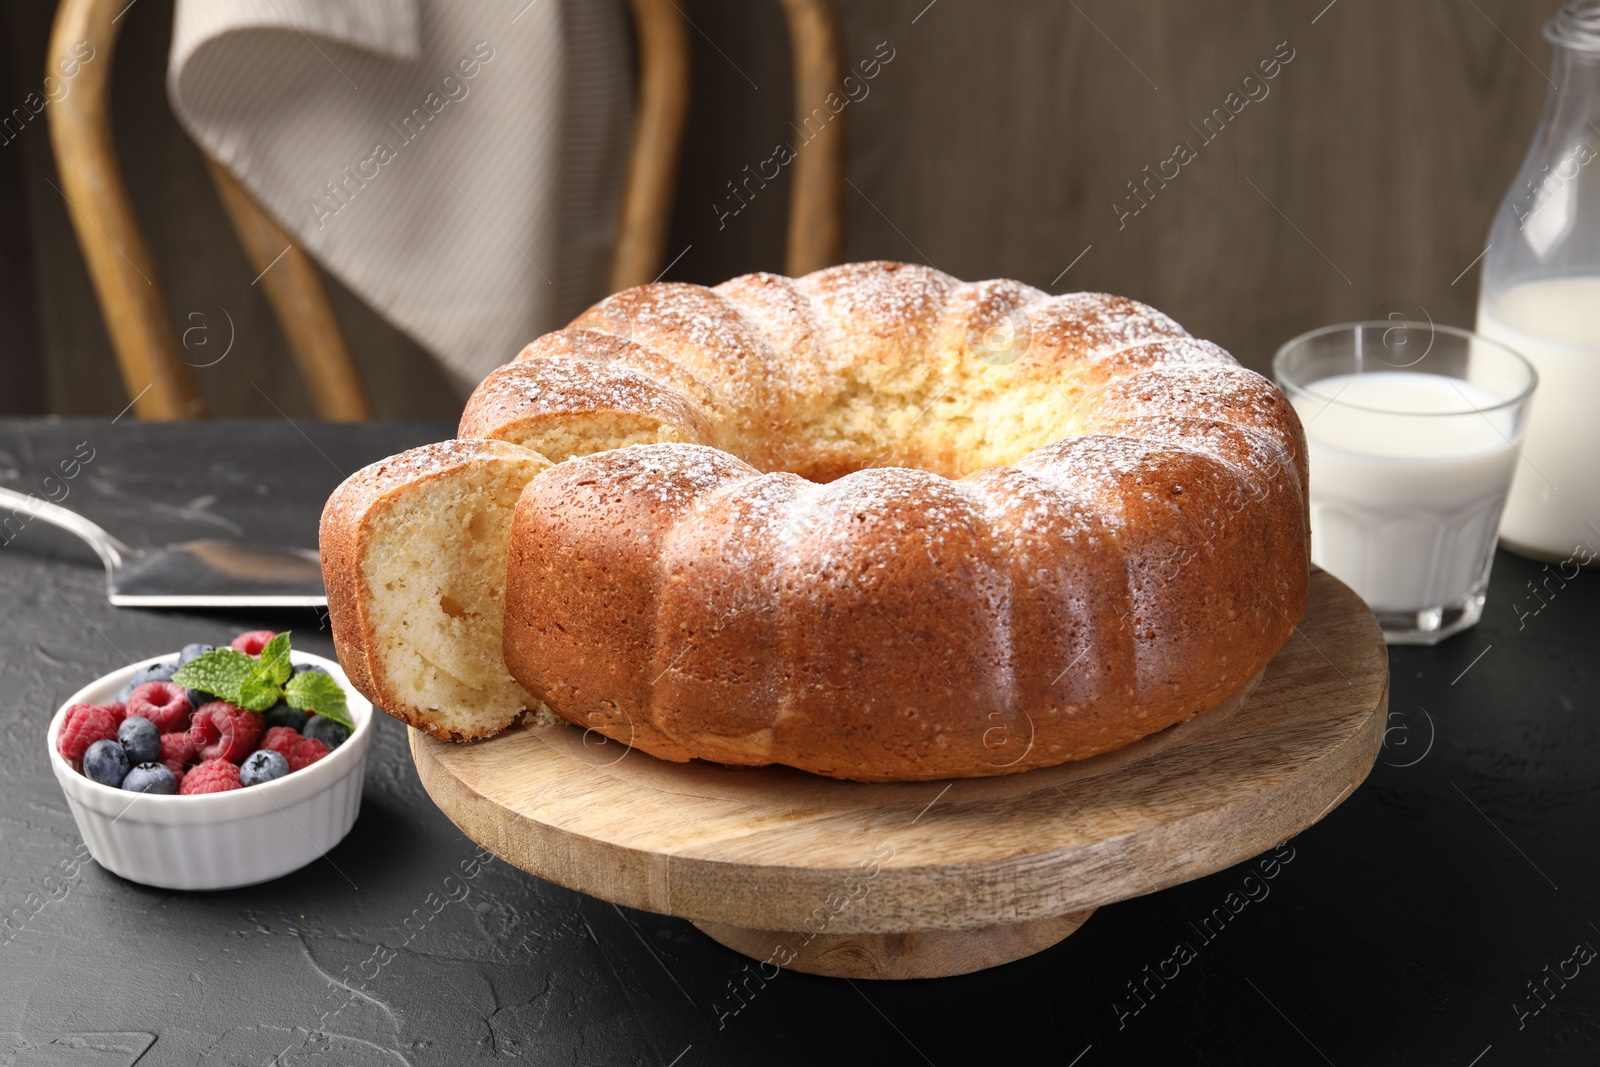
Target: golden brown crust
x=522 y=400
x=576 y=571
x=873 y=621
x=700 y=331
x=347 y=522
x=895 y=624
x=595 y=347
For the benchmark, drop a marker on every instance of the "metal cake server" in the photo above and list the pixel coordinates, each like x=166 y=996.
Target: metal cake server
x=194 y=574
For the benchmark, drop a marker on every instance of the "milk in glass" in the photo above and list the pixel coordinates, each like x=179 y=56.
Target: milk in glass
x=1407 y=483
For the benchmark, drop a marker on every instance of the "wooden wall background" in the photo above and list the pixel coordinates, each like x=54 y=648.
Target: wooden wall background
x=994 y=143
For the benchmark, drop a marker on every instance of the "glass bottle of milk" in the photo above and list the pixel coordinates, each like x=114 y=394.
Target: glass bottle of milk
x=1540 y=295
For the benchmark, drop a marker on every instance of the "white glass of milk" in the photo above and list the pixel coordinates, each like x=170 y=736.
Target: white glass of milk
x=1413 y=432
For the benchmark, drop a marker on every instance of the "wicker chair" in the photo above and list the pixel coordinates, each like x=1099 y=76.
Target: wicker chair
x=124 y=273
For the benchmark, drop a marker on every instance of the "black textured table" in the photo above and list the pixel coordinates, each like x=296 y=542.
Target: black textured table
x=1445 y=914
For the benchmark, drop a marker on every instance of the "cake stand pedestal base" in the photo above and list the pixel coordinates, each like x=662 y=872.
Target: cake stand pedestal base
x=916 y=954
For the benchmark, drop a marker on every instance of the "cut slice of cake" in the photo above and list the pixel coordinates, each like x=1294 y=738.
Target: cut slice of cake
x=414 y=560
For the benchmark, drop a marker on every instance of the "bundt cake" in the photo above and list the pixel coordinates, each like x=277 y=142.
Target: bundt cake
x=874 y=523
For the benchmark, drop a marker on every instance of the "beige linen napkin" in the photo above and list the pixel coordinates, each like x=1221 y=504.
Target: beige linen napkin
x=457 y=163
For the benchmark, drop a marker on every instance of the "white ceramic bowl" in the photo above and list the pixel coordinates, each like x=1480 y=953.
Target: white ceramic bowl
x=218 y=840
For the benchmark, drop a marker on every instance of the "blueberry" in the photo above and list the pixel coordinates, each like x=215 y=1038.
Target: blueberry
x=187 y=653
x=262 y=765
x=151 y=778
x=302 y=668
x=327 y=731
x=156 y=672
x=106 y=762
x=140 y=739
x=281 y=714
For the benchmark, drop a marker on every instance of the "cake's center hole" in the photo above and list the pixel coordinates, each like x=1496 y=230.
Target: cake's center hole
x=983 y=408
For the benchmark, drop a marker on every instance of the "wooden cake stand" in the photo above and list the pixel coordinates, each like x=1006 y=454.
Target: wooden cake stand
x=923 y=879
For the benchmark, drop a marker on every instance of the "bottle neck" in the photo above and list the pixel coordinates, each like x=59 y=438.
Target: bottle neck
x=1549 y=222
x=1576 y=26
x=1574 y=99
x=1564 y=158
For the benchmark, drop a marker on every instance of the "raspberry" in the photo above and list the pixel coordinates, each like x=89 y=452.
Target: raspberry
x=163 y=703
x=212 y=776
x=306 y=752
x=298 y=750
x=84 y=725
x=220 y=730
x=279 y=738
x=252 y=641
x=177 y=749
x=119 y=711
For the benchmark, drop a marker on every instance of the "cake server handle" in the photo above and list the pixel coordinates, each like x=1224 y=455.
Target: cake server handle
x=111 y=551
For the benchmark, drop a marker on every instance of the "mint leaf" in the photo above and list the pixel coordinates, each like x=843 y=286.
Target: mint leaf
x=257 y=694
x=316 y=692
x=256 y=684
x=220 y=672
x=275 y=666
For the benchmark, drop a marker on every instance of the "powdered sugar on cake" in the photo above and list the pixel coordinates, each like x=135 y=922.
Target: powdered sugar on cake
x=932 y=506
